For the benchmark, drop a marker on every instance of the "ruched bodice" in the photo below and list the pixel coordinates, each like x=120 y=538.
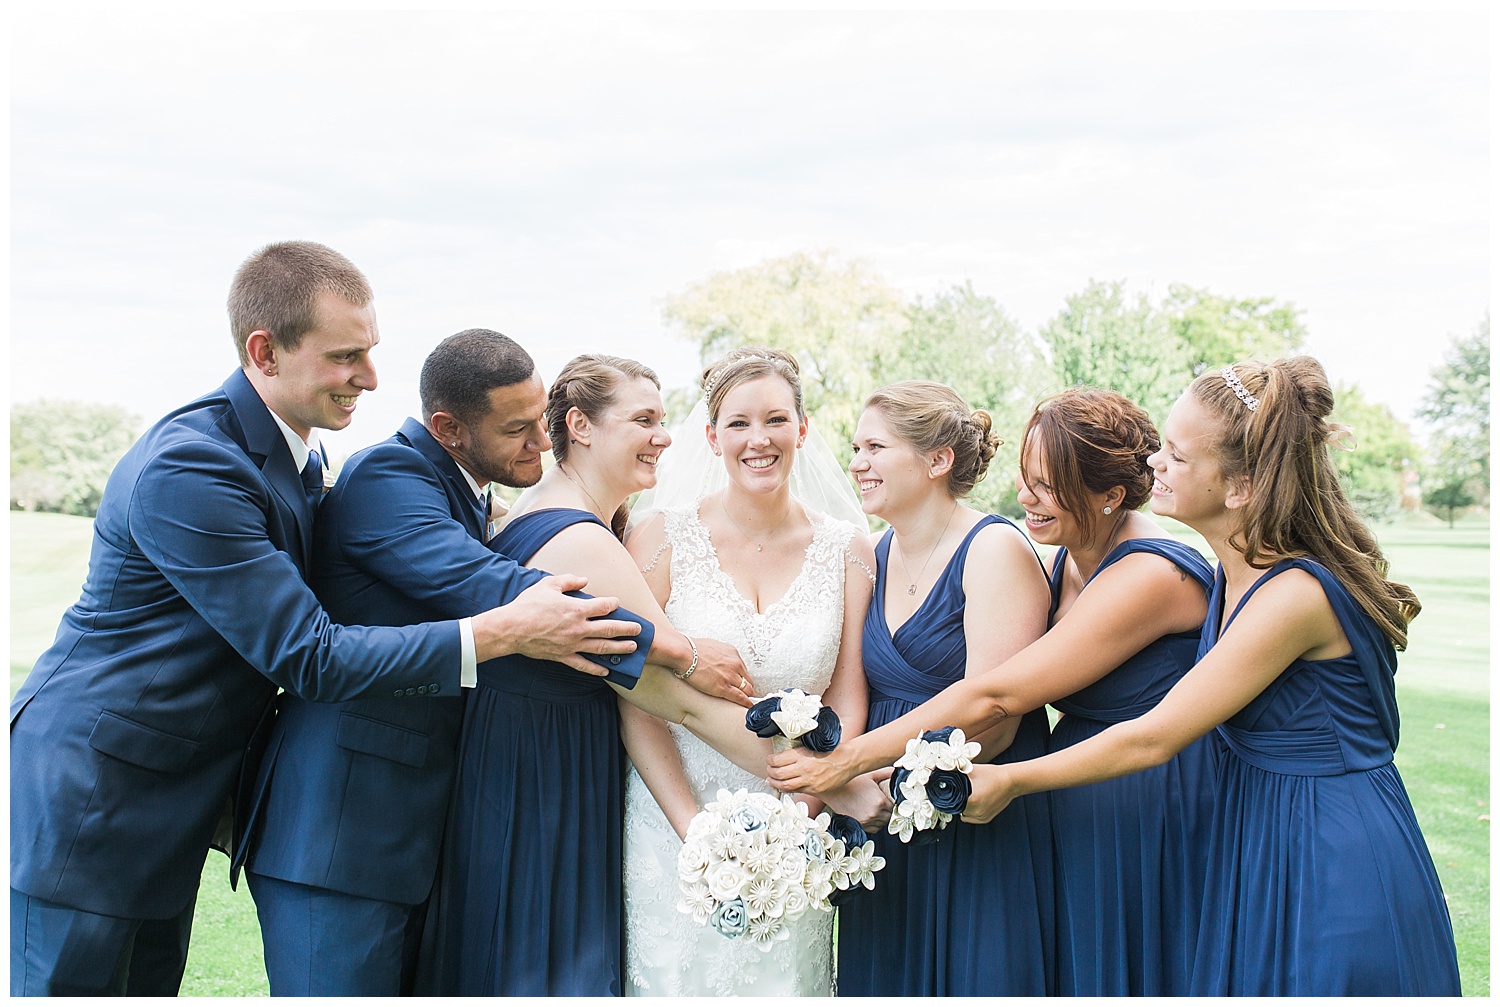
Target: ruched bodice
x=1318 y=718
x=928 y=652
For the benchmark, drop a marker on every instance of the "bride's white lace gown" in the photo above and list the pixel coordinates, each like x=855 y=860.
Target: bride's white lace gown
x=793 y=644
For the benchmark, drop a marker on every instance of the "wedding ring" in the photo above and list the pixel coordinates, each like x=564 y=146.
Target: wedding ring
x=743 y=682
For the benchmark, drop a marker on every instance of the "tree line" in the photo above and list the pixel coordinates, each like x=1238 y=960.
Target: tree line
x=853 y=331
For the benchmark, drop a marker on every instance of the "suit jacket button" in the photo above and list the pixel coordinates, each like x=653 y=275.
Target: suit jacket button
x=433 y=688
x=400 y=693
x=421 y=690
x=614 y=659
x=411 y=692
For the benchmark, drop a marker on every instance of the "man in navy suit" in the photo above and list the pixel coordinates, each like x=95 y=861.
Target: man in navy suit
x=129 y=738
x=354 y=795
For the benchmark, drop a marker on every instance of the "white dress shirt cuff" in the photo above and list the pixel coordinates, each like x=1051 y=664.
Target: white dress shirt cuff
x=468 y=668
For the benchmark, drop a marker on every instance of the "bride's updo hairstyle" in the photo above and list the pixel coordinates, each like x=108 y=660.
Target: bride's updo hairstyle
x=747 y=364
x=590 y=383
x=1092 y=440
x=1274 y=432
x=930 y=416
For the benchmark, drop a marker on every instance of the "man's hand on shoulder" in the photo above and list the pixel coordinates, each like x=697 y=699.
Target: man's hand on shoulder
x=543 y=622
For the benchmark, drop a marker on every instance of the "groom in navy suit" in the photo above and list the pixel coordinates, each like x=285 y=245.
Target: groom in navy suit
x=129 y=738
x=354 y=795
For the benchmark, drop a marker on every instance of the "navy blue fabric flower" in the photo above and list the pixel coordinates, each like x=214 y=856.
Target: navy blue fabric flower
x=758 y=717
x=948 y=790
x=825 y=737
x=848 y=829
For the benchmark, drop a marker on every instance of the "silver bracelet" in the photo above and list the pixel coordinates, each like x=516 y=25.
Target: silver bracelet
x=685 y=675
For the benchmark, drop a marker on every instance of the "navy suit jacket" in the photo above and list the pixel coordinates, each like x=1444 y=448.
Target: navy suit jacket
x=129 y=737
x=353 y=796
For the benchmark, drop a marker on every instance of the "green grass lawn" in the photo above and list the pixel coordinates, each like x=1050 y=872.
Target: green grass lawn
x=1443 y=688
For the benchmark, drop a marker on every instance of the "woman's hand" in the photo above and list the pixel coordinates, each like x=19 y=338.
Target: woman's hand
x=992 y=791
x=798 y=771
x=721 y=672
x=864 y=800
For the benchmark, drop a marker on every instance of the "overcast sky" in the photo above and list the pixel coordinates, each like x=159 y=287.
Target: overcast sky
x=555 y=177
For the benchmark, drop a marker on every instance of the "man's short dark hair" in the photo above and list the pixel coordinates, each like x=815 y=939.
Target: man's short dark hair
x=463 y=369
x=277 y=289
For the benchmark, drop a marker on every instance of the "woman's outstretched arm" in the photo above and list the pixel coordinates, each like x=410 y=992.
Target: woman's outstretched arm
x=1131 y=604
x=1287 y=618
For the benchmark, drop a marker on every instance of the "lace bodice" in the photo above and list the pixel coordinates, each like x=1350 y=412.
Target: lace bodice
x=794 y=643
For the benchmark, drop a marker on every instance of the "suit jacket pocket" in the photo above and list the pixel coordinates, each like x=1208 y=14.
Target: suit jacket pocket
x=139 y=745
x=385 y=741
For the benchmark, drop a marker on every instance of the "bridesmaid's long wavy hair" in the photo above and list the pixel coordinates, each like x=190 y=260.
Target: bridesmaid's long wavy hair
x=1297 y=506
x=590 y=383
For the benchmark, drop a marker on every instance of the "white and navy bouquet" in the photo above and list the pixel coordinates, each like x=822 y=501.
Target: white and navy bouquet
x=752 y=863
x=792 y=717
x=930 y=784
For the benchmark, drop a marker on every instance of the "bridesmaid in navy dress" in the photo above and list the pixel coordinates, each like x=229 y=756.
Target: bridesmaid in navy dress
x=956 y=590
x=1320 y=883
x=1127 y=606
x=530 y=898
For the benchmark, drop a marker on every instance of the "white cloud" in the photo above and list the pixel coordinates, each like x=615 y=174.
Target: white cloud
x=556 y=176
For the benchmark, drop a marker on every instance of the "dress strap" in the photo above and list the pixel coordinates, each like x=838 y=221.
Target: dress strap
x=1181 y=555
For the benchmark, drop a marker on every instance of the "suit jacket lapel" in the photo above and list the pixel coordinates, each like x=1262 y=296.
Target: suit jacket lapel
x=265 y=443
x=459 y=493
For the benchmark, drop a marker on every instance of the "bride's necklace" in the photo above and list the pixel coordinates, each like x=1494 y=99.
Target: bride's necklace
x=911 y=582
x=599 y=511
x=759 y=546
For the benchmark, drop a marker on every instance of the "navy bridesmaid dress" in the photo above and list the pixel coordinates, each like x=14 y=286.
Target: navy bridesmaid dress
x=1320 y=883
x=530 y=895
x=1132 y=852
x=972 y=914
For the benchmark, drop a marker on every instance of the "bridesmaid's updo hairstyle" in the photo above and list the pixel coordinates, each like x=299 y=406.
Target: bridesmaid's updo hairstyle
x=1274 y=433
x=747 y=364
x=930 y=416
x=1092 y=440
x=590 y=383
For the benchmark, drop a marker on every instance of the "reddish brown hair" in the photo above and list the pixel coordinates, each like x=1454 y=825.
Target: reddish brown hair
x=1092 y=440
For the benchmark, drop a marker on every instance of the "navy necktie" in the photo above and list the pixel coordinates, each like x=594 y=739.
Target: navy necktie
x=312 y=477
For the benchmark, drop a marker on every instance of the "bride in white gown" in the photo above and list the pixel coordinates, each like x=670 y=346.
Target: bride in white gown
x=752 y=565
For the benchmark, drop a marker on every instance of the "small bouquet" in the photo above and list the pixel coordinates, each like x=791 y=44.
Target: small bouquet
x=930 y=784
x=752 y=863
x=792 y=717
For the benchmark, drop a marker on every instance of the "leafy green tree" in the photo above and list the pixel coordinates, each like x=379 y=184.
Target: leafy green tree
x=1375 y=471
x=967 y=340
x=1104 y=337
x=1213 y=331
x=61 y=454
x=834 y=316
x=1448 y=487
x=1457 y=404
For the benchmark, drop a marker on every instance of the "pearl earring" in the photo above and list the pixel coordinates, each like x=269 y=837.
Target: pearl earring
x=1108 y=509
